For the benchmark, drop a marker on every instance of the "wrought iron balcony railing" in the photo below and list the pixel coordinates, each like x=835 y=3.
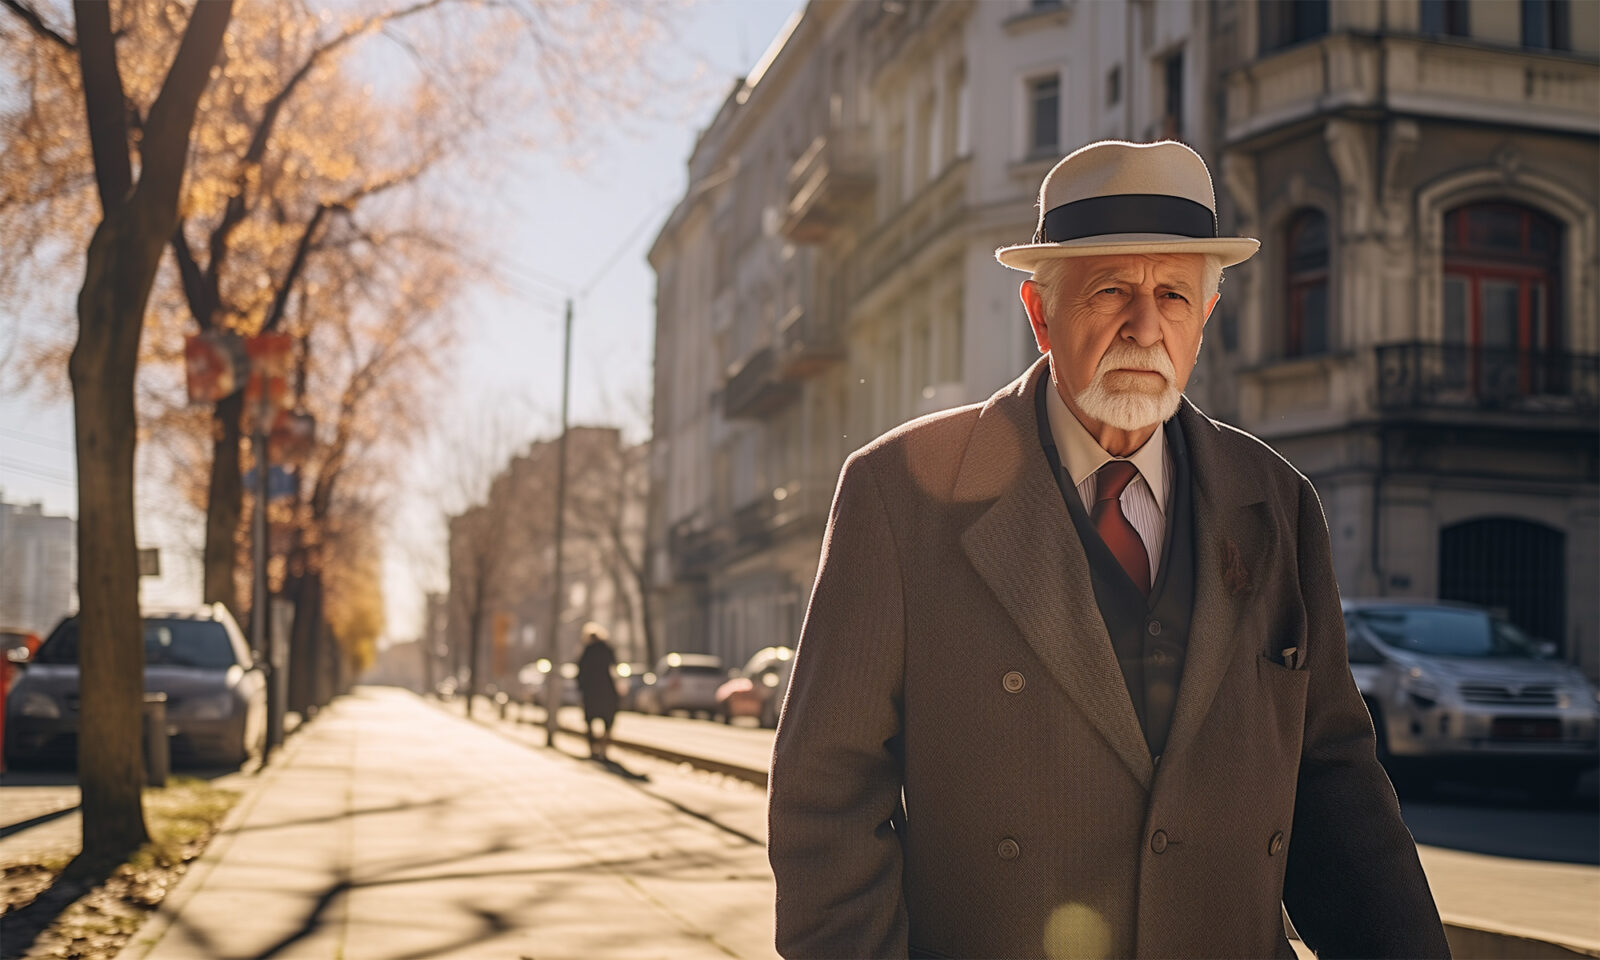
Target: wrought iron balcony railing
x=1431 y=375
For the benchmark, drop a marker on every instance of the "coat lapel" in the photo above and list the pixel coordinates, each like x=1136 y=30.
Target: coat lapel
x=1027 y=551
x=1231 y=538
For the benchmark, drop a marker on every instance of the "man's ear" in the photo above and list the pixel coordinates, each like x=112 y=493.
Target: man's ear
x=1033 y=301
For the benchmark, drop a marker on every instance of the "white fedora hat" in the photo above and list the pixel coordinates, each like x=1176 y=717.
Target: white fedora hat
x=1119 y=197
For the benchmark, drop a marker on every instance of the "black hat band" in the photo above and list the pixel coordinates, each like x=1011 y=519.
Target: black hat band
x=1126 y=213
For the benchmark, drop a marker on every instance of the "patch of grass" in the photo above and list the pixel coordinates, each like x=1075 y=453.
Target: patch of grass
x=181 y=817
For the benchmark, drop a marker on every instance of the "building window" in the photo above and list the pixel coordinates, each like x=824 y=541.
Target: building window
x=1307 y=333
x=1546 y=24
x=1284 y=24
x=1445 y=18
x=1114 y=86
x=1044 y=116
x=1172 y=97
x=1502 y=294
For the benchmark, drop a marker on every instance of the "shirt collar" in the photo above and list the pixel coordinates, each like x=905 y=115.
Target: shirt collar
x=1082 y=455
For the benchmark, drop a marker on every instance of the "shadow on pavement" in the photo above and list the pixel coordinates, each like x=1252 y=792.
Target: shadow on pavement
x=44 y=818
x=20 y=928
x=612 y=766
x=1504 y=820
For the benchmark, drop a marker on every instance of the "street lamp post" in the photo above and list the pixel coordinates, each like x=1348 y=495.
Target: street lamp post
x=552 y=691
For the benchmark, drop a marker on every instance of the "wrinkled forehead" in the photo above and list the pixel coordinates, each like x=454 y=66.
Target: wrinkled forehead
x=1161 y=268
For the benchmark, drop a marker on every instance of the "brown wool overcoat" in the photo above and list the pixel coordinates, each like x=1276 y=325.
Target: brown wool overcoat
x=959 y=771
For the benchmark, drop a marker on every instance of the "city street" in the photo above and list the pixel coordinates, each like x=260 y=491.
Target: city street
x=392 y=827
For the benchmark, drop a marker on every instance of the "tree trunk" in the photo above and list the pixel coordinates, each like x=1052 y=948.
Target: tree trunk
x=474 y=654
x=111 y=644
x=224 y=505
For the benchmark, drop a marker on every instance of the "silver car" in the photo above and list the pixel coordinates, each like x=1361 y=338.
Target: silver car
x=684 y=681
x=216 y=696
x=1449 y=683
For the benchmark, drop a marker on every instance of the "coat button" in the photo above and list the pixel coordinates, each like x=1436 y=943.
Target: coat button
x=1275 y=845
x=1154 y=628
x=1008 y=849
x=1013 y=682
x=1158 y=841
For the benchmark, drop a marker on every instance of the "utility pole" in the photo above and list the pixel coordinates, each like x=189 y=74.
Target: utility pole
x=260 y=625
x=553 y=680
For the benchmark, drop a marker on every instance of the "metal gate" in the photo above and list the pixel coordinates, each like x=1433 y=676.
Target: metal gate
x=1515 y=566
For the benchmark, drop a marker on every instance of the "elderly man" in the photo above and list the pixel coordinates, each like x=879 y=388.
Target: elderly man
x=1073 y=680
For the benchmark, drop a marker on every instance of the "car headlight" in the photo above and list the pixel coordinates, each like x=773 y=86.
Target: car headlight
x=40 y=706
x=1420 y=688
x=214 y=707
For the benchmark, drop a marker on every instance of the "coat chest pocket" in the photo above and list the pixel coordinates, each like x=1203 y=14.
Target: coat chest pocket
x=1282 y=695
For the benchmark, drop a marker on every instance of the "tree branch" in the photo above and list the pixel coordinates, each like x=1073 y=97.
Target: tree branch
x=166 y=141
x=237 y=206
x=103 y=101
x=194 y=287
x=37 y=24
x=281 y=299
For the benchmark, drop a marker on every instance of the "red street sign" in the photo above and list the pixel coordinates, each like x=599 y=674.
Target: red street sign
x=271 y=358
x=214 y=365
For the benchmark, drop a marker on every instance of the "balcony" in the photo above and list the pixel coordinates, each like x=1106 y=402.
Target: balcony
x=1418 y=376
x=829 y=180
x=693 y=552
x=1413 y=75
x=808 y=341
x=1420 y=382
x=754 y=390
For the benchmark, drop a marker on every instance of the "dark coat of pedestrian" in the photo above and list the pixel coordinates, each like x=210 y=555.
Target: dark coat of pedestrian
x=597 y=687
x=1073 y=681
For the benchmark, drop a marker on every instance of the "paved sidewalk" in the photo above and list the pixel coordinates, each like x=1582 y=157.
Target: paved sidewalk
x=393 y=830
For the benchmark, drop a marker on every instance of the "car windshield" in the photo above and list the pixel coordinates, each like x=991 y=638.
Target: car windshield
x=167 y=642
x=1446 y=632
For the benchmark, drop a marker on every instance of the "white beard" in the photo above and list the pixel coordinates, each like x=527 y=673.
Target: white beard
x=1140 y=406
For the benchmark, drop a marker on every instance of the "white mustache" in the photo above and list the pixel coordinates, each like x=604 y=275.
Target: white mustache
x=1129 y=356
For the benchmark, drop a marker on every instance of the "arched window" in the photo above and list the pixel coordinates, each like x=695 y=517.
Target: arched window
x=1502 y=289
x=1307 y=301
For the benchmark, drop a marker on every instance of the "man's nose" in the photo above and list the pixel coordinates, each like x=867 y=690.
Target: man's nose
x=1141 y=322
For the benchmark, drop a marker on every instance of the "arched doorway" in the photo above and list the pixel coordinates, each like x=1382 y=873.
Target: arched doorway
x=1515 y=565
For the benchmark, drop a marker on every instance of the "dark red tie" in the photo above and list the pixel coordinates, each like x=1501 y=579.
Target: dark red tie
x=1114 y=527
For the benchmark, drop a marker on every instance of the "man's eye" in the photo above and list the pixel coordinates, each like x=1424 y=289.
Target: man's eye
x=1177 y=296
x=1111 y=290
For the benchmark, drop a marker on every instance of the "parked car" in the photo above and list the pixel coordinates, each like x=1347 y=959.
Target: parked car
x=684 y=681
x=1454 y=685
x=216 y=695
x=631 y=678
x=757 y=690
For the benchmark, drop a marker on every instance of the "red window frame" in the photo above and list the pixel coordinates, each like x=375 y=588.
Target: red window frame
x=1475 y=263
x=1297 y=282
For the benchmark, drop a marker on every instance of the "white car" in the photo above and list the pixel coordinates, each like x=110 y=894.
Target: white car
x=1451 y=684
x=684 y=681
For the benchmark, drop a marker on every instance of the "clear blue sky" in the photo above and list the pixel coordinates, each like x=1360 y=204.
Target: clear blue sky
x=564 y=220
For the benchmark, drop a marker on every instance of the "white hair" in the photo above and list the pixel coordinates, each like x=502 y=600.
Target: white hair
x=1048 y=276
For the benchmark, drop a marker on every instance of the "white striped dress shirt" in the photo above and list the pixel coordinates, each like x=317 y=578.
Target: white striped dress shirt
x=1144 y=501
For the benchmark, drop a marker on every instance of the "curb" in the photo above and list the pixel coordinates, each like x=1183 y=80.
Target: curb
x=155 y=927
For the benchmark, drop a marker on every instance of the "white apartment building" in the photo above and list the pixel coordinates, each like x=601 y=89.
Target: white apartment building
x=38 y=567
x=830 y=273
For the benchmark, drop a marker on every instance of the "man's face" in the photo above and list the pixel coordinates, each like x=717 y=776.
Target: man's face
x=1122 y=332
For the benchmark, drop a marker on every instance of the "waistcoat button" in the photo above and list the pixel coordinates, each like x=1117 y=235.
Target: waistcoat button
x=1275 y=845
x=1155 y=628
x=1008 y=849
x=1013 y=682
x=1158 y=841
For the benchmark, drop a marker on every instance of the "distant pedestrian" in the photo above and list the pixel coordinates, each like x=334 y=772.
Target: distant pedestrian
x=597 y=686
